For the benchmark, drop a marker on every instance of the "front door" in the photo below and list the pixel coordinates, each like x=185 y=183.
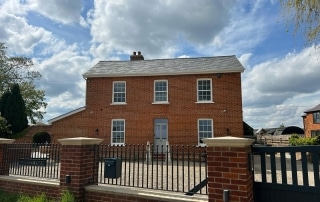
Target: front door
x=160 y=135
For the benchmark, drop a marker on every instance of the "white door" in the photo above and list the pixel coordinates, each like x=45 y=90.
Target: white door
x=160 y=135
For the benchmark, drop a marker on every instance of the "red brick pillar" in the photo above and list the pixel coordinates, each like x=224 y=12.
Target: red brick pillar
x=4 y=167
x=229 y=169
x=79 y=164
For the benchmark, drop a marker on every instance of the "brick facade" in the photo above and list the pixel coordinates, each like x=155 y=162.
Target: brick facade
x=309 y=125
x=182 y=111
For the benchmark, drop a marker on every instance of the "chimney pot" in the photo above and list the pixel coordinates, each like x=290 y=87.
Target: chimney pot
x=134 y=56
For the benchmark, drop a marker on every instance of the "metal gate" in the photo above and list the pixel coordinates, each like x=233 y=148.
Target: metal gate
x=286 y=173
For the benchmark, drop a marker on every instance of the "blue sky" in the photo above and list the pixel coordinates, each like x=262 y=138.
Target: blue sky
x=66 y=38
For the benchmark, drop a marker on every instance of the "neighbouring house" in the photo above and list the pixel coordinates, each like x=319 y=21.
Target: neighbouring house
x=281 y=130
x=180 y=100
x=311 y=121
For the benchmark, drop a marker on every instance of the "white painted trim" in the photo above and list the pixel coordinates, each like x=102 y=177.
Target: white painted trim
x=211 y=90
x=154 y=91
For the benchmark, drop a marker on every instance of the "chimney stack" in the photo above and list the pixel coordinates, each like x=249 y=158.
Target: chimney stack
x=134 y=56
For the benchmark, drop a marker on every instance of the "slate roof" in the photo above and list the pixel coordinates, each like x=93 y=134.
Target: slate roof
x=176 y=66
x=314 y=109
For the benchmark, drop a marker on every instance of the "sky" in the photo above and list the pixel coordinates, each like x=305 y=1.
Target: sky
x=66 y=38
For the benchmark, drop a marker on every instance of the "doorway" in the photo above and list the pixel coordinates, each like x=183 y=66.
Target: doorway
x=160 y=135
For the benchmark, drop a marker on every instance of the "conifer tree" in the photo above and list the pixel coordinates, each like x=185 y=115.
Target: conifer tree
x=13 y=109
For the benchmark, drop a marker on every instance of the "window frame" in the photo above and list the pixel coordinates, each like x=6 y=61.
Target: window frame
x=211 y=91
x=316 y=117
x=155 y=92
x=315 y=133
x=114 y=131
x=212 y=130
x=113 y=92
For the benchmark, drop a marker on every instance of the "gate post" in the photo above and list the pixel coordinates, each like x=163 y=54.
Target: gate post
x=79 y=164
x=230 y=175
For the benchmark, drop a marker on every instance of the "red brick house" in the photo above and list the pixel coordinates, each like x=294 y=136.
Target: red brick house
x=311 y=121
x=179 y=100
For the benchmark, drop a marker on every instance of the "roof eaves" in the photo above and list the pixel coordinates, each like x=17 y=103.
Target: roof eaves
x=99 y=75
x=314 y=109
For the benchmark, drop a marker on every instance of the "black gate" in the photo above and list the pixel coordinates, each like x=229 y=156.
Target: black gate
x=286 y=173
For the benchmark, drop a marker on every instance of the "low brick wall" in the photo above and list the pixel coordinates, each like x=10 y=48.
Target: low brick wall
x=227 y=157
x=103 y=193
x=30 y=187
x=94 y=193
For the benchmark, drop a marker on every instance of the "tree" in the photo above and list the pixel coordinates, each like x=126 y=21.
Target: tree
x=305 y=15
x=17 y=70
x=13 y=109
x=4 y=127
x=34 y=101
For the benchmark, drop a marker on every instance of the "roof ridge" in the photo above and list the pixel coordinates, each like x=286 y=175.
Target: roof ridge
x=204 y=57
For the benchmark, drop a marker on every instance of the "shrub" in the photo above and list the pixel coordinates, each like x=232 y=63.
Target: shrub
x=41 y=138
x=295 y=140
x=67 y=197
x=39 y=198
x=8 y=197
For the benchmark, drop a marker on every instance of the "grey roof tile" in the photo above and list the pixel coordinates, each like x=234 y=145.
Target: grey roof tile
x=314 y=109
x=176 y=66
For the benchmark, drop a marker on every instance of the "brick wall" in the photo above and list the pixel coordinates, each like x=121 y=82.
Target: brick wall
x=309 y=125
x=182 y=111
x=227 y=161
x=31 y=131
x=229 y=168
x=30 y=188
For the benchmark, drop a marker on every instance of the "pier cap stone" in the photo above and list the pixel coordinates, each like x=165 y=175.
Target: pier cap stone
x=80 y=141
x=6 y=141
x=228 y=141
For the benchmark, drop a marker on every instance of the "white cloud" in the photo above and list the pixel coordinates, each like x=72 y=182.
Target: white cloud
x=153 y=27
x=21 y=37
x=14 y=7
x=62 y=80
x=249 y=26
x=280 y=90
x=60 y=11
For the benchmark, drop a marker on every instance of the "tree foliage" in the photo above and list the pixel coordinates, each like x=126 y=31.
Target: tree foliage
x=18 y=70
x=305 y=15
x=13 y=109
x=296 y=140
x=34 y=101
x=4 y=127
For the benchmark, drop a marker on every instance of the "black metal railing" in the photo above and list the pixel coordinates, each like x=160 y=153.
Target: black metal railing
x=33 y=160
x=170 y=168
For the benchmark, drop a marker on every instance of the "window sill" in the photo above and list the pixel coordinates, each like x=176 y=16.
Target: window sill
x=160 y=103
x=205 y=102
x=118 y=103
x=117 y=144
